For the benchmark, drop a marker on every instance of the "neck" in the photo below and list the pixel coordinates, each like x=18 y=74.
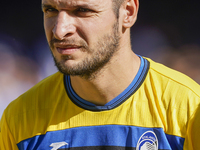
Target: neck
x=110 y=81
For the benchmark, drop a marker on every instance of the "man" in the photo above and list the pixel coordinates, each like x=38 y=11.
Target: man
x=105 y=96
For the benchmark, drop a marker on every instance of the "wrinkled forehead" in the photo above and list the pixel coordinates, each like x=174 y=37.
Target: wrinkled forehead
x=74 y=3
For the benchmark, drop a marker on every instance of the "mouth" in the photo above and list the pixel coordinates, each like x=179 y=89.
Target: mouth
x=67 y=49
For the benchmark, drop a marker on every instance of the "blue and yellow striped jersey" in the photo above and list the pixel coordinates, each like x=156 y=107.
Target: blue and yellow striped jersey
x=159 y=110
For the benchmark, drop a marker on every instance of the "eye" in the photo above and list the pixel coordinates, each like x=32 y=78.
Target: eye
x=50 y=10
x=83 y=10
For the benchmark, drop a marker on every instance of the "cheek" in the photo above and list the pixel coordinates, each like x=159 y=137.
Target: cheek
x=95 y=30
x=90 y=29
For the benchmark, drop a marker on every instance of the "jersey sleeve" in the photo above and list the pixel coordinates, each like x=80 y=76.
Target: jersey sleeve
x=192 y=141
x=7 y=141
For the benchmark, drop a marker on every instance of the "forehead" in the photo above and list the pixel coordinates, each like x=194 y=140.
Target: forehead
x=73 y=3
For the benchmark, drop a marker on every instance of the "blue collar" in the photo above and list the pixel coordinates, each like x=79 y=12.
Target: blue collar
x=129 y=91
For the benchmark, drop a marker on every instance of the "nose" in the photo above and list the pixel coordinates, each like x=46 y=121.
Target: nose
x=64 y=25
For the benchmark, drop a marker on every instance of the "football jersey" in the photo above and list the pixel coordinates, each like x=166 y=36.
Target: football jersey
x=159 y=110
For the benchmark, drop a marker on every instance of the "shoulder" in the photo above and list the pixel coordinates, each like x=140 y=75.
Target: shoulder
x=177 y=99
x=29 y=110
x=166 y=76
x=171 y=90
x=37 y=96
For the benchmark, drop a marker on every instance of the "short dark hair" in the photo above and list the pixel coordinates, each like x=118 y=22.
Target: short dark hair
x=116 y=6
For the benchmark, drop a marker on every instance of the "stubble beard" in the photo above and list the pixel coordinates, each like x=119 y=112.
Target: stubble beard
x=88 y=68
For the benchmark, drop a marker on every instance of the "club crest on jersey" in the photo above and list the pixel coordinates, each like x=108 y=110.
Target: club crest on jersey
x=148 y=141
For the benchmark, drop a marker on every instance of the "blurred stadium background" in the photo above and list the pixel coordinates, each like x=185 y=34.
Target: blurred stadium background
x=166 y=31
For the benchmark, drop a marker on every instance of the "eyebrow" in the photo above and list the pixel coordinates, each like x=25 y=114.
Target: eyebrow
x=86 y=5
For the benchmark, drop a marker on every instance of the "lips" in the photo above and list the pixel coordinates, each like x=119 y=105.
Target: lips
x=67 y=49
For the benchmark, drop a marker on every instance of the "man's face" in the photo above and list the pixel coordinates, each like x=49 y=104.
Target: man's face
x=83 y=34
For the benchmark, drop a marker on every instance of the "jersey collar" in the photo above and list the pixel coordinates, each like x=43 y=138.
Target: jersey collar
x=122 y=97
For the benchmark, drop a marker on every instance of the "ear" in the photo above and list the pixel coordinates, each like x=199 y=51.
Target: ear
x=130 y=12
